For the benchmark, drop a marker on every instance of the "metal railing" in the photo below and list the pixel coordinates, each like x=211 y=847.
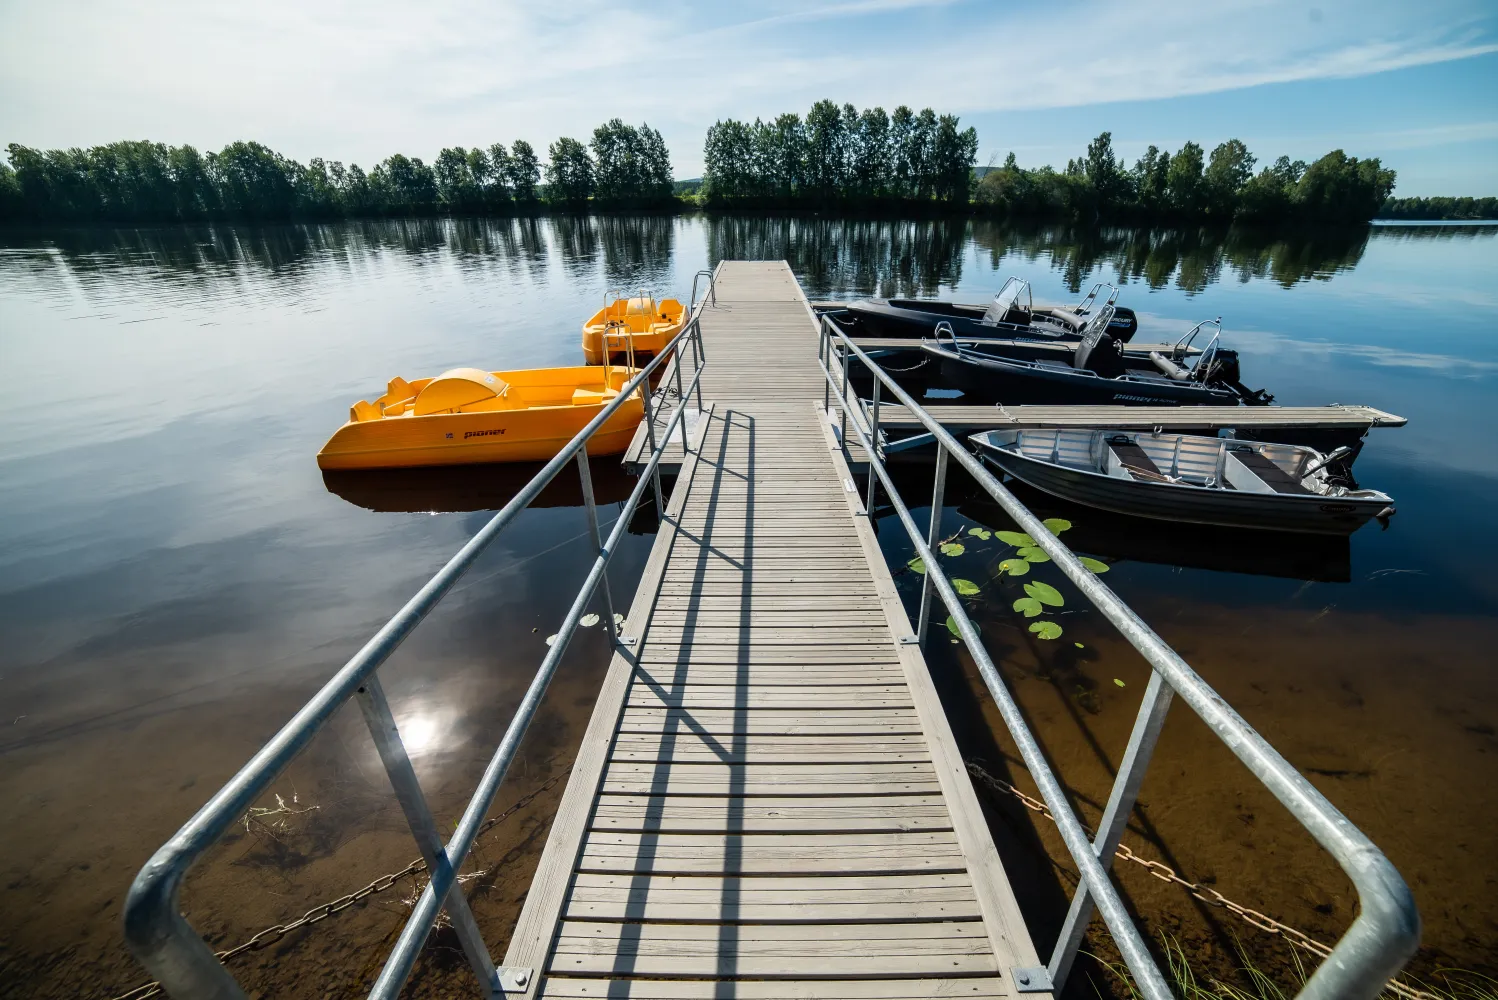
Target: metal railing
x=1386 y=931
x=163 y=940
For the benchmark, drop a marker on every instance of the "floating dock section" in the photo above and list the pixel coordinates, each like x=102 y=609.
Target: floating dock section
x=768 y=801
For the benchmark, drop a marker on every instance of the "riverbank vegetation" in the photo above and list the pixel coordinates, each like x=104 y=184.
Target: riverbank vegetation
x=1189 y=186
x=839 y=157
x=1439 y=208
x=836 y=158
x=623 y=167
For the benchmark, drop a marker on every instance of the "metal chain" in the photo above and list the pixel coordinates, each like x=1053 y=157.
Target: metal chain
x=1205 y=893
x=317 y=914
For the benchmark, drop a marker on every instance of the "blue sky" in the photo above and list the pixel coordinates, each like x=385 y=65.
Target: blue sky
x=1414 y=84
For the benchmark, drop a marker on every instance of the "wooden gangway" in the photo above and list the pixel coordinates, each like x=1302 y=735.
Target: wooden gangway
x=768 y=801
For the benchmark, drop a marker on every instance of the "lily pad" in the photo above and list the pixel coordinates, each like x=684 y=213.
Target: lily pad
x=1030 y=606
x=551 y=640
x=966 y=588
x=952 y=548
x=1096 y=565
x=1046 y=630
x=1033 y=553
x=1045 y=593
x=1056 y=525
x=917 y=564
x=952 y=626
x=1118 y=682
x=1079 y=645
x=588 y=621
x=618 y=618
x=1017 y=538
x=1014 y=567
x=983 y=534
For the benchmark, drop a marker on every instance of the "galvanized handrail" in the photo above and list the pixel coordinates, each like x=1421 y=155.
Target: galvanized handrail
x=162 y=939
x=1385 y=932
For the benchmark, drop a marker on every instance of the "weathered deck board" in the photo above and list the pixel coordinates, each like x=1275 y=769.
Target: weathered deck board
x=768 y=801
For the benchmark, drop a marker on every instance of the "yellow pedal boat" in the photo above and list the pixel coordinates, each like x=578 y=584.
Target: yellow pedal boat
x=640 y=324
x=470 y=415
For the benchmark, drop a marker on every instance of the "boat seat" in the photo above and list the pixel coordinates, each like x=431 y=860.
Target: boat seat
x=590 y=397
x=1134 y=460
x=363 y=410
x=1273 y=476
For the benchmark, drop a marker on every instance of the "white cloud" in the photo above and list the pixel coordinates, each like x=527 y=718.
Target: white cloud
x=357 y=81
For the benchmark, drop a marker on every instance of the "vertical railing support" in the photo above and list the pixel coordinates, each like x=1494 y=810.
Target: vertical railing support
x=843 y=405
x=585 y=474
x=874 y=437
x=681 y=400
x=660 y=503
x=1136 y=759
x=413 y=803
x=697 y=357
x=933 y=532
x=823 y=354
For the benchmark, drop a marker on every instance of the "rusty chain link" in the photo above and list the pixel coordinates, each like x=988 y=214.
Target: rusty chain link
x=1205 y=893
x=321 y=912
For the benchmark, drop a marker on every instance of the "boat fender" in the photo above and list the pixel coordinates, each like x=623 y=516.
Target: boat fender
x=1169 y=368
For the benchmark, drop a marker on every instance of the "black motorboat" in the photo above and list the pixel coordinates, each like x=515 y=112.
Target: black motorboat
x=1187 y=478
x=1098 y=372
x=1011 y=315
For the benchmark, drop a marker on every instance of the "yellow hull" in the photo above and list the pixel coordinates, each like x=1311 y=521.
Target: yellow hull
x=648 y=324
x=535 y=416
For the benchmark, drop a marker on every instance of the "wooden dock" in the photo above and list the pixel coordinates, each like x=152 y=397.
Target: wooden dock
x=962 y=418
x=768 y=801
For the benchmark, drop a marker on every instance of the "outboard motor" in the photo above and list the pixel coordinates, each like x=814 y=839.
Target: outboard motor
x=1222 y=369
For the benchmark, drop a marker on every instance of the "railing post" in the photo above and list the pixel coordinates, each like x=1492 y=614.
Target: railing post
x=681 y=400
x=843 y=402
x=413 y=803
x=585 y=474
x=933 y=532
x=1121 y=799
x=874 y=453
x=697 y=358
x=824 y=354
x=660 y=503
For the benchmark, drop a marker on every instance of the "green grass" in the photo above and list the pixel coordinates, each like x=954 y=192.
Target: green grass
x=1256 y=984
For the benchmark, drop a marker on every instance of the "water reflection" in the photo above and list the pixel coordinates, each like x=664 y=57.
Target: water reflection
x=841 y=256
x=472 y=487
x=833 y=257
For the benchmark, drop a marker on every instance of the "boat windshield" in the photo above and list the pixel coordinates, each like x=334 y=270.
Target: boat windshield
x=1014 y=295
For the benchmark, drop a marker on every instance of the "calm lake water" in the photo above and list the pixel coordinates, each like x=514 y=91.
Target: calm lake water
x=176 y=576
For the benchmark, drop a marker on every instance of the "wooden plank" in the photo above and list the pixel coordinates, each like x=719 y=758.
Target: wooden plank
x=770 y=814
x=558 y=988
x=967 y=417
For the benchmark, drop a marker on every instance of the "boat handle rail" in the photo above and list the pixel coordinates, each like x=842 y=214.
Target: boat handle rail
x=1387 y=929
x=156 y=931
x=1184 y=343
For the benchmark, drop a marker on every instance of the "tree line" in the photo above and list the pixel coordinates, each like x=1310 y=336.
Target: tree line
x=624 y=166
x=840 y=157
x=1439 y=208
x=836 y=157
x=1189 y=186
